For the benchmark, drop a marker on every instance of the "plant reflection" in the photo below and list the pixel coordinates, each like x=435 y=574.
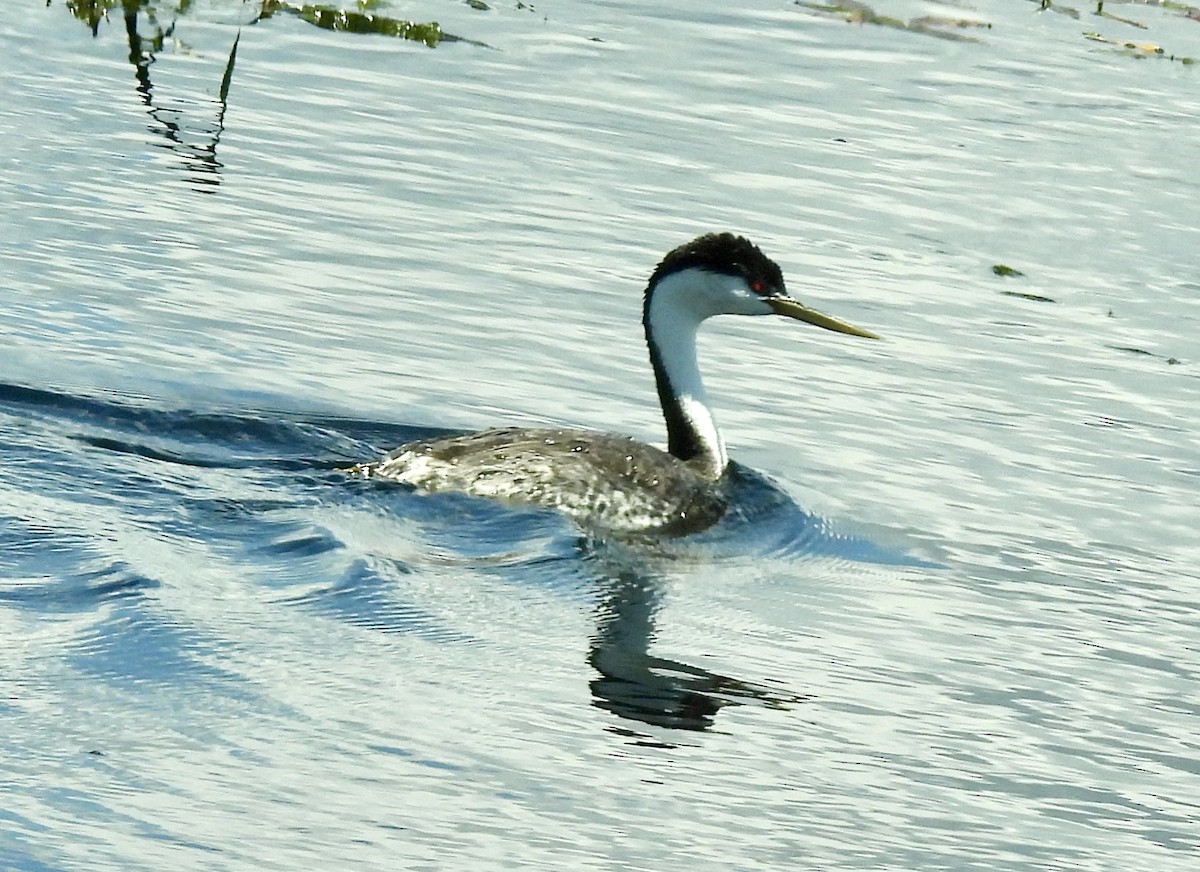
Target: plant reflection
x=198 y=151
x=147 y=37
x=199 y=157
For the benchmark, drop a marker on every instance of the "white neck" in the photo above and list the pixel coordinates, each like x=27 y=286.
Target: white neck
x=672 y=317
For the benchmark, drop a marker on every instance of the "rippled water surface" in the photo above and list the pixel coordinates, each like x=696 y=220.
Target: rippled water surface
x=954 y=625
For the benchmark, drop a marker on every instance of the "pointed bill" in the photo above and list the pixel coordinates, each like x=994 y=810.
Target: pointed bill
x=793 y=309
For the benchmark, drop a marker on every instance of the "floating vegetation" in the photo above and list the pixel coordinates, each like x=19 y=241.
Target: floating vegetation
x=1187 y=11
x=1025 y=295
x=950 y=27
x=1100 y=11
x=1129 y=48
x=362 y=18
x=92 y=12
x=1140 y=49
x=1006 y=271
x=1170 y=5
x=1049 y=6
x=1129 y=349
x=855 y=12
x=362 y=21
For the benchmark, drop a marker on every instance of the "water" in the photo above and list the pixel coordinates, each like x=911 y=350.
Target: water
x=965 y=640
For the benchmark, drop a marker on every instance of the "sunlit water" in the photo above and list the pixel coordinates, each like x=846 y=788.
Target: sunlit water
x=954 y=623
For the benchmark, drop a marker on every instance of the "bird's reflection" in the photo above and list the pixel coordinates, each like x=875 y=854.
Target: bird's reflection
x=638 y=686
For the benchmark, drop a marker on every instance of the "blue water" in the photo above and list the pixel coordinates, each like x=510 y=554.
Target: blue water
x=951 y=626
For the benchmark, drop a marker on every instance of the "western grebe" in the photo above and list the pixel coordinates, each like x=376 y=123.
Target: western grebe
x=615 y=482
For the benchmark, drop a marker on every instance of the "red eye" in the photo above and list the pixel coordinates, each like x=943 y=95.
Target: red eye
x=757 y=286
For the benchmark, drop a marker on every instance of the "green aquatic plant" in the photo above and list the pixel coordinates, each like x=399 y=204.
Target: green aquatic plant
x=1006 y=271
x=227 y=78
x=362 y=21
x=1025 y=295
x=362 y=18
x=92 y=12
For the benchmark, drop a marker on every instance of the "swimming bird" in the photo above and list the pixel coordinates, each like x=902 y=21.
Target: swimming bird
x=611 y=482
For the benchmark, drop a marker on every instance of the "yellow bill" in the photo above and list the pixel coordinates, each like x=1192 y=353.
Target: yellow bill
x=794 y=309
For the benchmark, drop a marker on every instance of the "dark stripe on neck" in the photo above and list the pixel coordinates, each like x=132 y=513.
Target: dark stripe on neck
x=682 y=439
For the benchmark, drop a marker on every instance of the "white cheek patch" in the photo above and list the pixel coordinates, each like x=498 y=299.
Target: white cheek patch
x=696 y=294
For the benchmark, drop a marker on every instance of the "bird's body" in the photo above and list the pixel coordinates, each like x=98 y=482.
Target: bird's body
x=615 y=482
x=599 y=479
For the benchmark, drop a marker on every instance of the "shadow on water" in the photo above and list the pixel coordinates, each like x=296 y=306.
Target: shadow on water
x=265 y=491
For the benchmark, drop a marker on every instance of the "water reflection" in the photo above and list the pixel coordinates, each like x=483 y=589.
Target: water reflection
x=639 y=686
x=270 y=522
x=200 y=158
x=196 y=147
